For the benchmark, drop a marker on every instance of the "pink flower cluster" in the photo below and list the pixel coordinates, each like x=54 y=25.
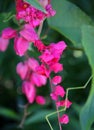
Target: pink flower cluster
x=22 y=39
x=31 y=80
x=32 y=17
x=30 y=14
x=33 y=73
x=50 y=61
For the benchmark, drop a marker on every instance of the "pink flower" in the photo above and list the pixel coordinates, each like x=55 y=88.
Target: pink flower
x=43 y=70
x=29 y=13
x=40 y=46
x=22 y=70
x=8 y=33
x=32 y=63
x=20 y=46
x=54 y=96
x=21 y=5
x=56 y=80
x=64 y=119
x=3 y=44
x=57 y=48
x=50 y=11
x=46 y=56
x=29 y=90
x=59 y=91
x=57 y=67
x=29 y=33
x=38 y=79
x=63 y=103
x=40 y=100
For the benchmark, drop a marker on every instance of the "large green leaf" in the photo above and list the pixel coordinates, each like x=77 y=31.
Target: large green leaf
x=36 y=4
x=87 y=113
x=68 y=20
x=38 y=117
x=8 y=113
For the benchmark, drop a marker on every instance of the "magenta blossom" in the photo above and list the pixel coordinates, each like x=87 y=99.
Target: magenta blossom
x=56 y=80
x=32 y=64
x=64 y=119
x=29 y=33
x=50 y=11
x=22 y=70
x=29 y=90
x=38 y=79
x=8 y=33
x=59 y=91
x=3 y=44
x=21 y=45
x=63 y=103
x=40 y=100
x=57 y=67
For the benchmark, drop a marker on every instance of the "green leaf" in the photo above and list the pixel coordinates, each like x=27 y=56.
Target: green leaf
x=68 y=20
x=87 y=112
x=38 y=116
x=2 y=18
x=36 y=4
x=8 y=113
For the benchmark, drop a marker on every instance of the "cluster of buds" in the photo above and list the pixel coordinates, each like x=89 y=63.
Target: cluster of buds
x=32 y=15
x=33 y=73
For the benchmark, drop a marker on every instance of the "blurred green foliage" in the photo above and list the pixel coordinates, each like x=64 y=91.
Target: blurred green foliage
x=73 y=23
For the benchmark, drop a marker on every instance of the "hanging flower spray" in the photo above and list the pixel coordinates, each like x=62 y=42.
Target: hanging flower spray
x=33 y=73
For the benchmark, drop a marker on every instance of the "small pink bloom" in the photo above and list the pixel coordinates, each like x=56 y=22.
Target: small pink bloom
x=20 y=46
x=43 y=70
x=8 y=33
x=29 y=90
x=3 y=44
x=40 y=100
x=50 y=11
x=38 y=79
x=35 y=22
x=56 y=80
x=21 y=5
x=46 y=56
x=64 y=119
x=21 y=14
x=40 y=46
x=22 y=70
x=59 y=91
x=29 y=33
x=56 y=67
x=63 y=103
x=57 y=48
x=54 y=96
x=32 y=64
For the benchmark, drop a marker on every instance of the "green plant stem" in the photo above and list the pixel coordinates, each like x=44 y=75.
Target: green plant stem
x=58 y=115
x=75 y=48
x=40 y=28
x=24 y=116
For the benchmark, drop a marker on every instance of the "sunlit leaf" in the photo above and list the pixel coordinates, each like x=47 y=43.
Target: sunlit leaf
x=68 y=20
x=87 y=113
x=36 y=4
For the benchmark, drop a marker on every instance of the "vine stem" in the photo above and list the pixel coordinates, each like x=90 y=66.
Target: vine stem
x=24 y=115
x=40 y=28
x=75 y=48
x=58 y=115
x=66 y=98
